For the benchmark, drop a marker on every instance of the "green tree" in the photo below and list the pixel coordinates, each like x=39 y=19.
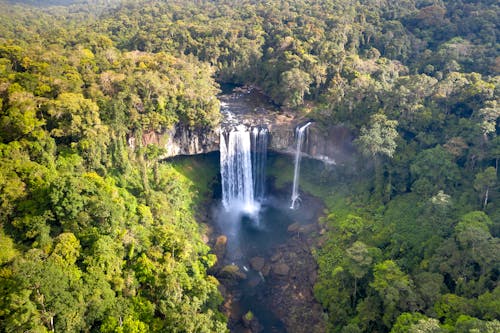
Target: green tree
x=359 y=263
x=396 y=290
x=295 y=84
x=378 y=141
x=433 y=170
x=483 y=182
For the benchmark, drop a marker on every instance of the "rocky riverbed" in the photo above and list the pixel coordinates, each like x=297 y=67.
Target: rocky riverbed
x=276 y=284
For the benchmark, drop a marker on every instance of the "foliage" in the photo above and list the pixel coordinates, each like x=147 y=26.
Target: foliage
x=97 y=236
x=91 y=237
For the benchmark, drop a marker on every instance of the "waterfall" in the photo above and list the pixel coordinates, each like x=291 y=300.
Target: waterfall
x=242 y=162
x=296 y=172
x=259 y=158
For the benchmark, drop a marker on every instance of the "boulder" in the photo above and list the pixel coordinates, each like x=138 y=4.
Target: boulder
x=232 y=272
x=220 y=247
x=307 y=229
x=257 y=263
x=313 y=276
x=281 y=269
x=294 y=227
x=275 y=257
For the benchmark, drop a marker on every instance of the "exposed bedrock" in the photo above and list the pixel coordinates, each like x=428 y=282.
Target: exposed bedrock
x=333 y=145
x=247 y=106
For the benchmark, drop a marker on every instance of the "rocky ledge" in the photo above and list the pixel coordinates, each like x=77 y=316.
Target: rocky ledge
x=249 y=107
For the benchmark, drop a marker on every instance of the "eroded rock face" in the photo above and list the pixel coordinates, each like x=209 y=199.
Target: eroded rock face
x=332 y=145
x=182 y=140
x=249 y=107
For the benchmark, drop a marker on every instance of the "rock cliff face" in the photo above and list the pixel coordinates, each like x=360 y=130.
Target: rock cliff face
x=331 y=146
x=249 y=107
x=185 y=141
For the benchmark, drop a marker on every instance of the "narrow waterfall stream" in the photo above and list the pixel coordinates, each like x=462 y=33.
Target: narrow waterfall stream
x=296 y=172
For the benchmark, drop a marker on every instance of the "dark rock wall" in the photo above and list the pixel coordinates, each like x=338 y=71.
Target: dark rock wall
x=332 y=145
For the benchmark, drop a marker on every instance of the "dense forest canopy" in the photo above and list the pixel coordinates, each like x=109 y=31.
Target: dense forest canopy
x=96 y=236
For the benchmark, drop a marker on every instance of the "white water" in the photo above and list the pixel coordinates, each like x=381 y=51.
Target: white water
x=296 y=172
x=243 y=172
x=259 y=158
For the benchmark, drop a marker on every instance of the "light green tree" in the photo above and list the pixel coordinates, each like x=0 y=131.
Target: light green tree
x=377 y=141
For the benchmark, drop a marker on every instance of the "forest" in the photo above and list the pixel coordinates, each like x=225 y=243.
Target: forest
x=98 y=237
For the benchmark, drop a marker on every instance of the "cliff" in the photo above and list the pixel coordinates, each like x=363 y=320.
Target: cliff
x=249 y=107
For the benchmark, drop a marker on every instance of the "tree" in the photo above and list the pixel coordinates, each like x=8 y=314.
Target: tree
x=54 y=294
x=395 y=288
x=474 y=237
x=494 y=151
x=449 y=308
x=483 y=182
x=295 y=84
x=20 y=117
x=433 y=170
x=416 y=323
x=359 y=262
x=489 y=116
x=378 y=141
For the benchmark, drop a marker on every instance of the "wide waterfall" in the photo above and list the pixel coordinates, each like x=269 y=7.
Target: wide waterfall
x=296 y=172
x=242 y=160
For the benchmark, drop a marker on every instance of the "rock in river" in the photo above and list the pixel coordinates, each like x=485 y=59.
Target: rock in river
x=257 y=263
x=281 y=269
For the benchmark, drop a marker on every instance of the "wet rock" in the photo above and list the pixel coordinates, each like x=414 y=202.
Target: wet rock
x=294 y=227
x=307 y=229
x=257 y=263
x=275 y=257
x=281 y=269
x=220 y=247
x=222 y=290
x=254 y=282
x=232 y=272
x=266 y=269
x=250 y=321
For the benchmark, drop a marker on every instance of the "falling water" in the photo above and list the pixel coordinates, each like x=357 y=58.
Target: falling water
x=259 y=158
x=243 y=173
x=296 y=172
